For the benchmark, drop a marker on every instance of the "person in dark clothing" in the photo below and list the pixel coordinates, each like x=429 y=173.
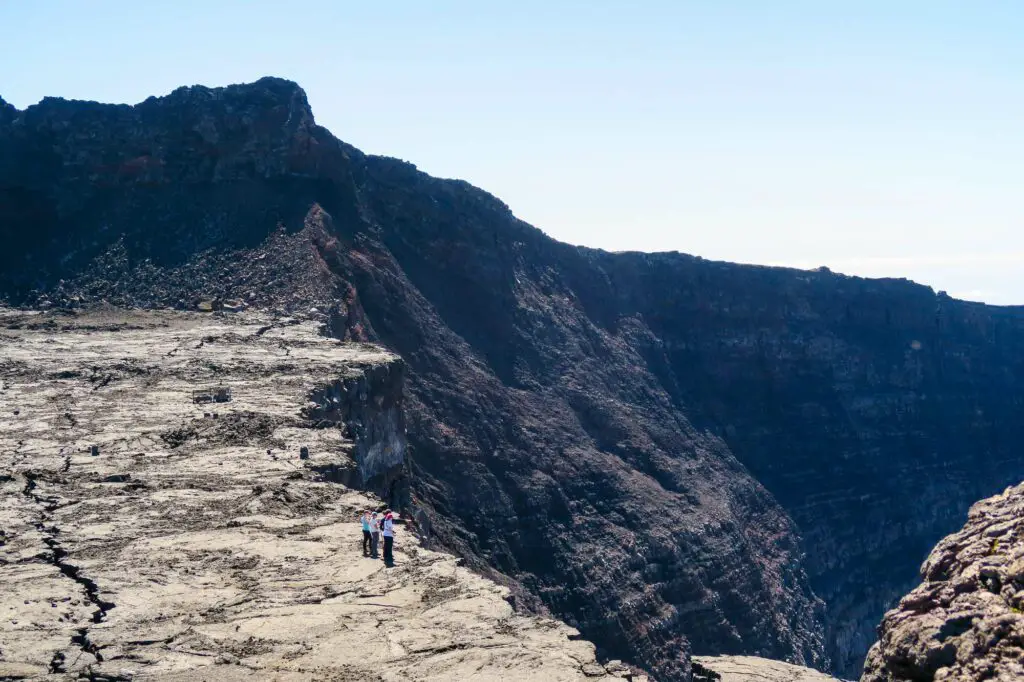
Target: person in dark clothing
x=365 y=520
x=388 y=530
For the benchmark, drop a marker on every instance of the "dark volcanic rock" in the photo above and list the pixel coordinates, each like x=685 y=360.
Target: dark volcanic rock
x=965 y=622
x=841 y=395
x=584 y=425
x=198 y=169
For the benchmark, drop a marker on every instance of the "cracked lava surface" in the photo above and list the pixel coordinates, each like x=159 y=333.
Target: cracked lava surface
x=195 y=545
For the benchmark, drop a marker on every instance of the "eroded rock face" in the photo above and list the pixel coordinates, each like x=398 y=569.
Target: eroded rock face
x=964 y=623
x=369 y=409
x=196 y=543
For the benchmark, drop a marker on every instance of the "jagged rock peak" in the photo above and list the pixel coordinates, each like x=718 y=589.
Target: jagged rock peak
x=965 y=622
x=222 y=121
x=7 y=111
x=194 y=134
x=267 y=92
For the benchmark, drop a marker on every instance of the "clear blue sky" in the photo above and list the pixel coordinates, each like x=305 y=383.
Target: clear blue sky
x=876 y=137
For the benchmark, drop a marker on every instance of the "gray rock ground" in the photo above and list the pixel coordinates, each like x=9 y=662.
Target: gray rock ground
x=754 y=669
x=197 y=543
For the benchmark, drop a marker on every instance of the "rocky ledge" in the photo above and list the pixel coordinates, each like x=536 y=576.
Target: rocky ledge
x=965 y=622
x=153 y=526
x=752 y=669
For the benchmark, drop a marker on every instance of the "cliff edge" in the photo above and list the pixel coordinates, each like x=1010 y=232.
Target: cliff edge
x=160 y=520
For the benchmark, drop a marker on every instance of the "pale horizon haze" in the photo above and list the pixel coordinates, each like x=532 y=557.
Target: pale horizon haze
x=875 y=138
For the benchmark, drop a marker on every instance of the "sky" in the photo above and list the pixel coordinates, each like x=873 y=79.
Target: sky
x=877 y=138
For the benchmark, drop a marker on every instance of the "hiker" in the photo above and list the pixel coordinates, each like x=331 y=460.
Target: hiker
x=365 y=520
x=374 y=534
x=389 y=537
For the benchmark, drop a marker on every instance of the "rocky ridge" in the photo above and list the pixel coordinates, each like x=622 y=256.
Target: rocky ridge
x=557 y=395
x=965 y=621
x=542 y=476
x=196 y=541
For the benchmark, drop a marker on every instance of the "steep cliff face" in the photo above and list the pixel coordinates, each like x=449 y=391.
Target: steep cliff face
x=369 y=409
x=583 y=425
x=840 y=395
x=965 y=622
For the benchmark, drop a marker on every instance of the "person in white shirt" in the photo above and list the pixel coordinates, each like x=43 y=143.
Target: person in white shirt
x=389 y=537
x=374 y=534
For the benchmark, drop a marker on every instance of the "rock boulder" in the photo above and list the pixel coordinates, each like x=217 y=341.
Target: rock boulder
x=965 y=622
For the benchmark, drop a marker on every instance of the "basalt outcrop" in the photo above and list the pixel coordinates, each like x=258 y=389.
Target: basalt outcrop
x=965 y=621
x=670 y=453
